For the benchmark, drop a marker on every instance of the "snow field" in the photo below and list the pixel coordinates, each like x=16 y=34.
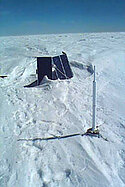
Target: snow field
x=60 y=108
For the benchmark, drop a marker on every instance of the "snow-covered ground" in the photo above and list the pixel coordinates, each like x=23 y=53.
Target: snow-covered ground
x=61 y=108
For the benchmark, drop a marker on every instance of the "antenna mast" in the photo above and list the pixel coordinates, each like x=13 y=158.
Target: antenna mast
x=93 y=131
x=94 y=103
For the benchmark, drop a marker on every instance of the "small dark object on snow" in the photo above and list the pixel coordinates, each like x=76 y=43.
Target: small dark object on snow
x=3 y=76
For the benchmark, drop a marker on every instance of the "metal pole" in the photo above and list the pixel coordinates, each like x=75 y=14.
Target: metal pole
x=94 y=102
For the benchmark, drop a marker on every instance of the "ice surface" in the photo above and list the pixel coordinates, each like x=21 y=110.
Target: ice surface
x=61 y=108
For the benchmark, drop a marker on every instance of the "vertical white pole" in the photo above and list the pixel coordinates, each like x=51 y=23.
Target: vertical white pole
x=94 y=102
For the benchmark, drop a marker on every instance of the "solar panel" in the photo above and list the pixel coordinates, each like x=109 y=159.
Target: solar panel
x=61 y=64
x=44 y=67
x=66 y=65
x=62 y=67
x=59 y=67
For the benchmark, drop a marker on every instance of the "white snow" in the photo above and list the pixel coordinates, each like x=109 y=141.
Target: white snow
x=61 y=108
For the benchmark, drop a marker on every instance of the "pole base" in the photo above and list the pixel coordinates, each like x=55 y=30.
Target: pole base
x=92 y=133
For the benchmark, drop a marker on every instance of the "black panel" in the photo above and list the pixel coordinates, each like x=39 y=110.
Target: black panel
x=59 y=67
x=63 y=68
x=44 y=67
x=66 y=66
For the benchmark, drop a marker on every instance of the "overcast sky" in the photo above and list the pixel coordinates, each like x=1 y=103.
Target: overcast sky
x=19 y=17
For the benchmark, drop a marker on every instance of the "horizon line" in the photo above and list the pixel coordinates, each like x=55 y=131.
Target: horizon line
x=62 y=33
